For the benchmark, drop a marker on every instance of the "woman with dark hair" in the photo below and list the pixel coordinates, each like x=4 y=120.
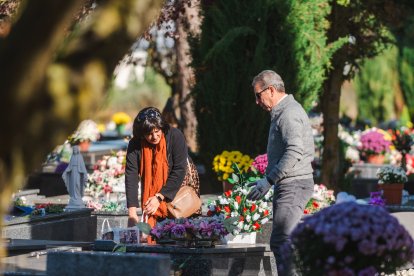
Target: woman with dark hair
x=158 y=155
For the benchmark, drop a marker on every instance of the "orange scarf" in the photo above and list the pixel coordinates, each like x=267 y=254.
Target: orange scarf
x=154 y=173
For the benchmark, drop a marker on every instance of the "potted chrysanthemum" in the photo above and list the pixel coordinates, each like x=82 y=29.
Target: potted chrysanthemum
x=374 y=145
x=391 y=181
x=350 y=239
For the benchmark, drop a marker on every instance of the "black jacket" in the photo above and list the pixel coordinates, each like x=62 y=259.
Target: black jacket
x=177 y=154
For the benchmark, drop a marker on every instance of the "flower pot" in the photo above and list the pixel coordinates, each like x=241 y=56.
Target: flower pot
x=84 y=146
x=376 y=159
x=120 y=129
x=392 y=193
x=242 y=238
x=227 y=186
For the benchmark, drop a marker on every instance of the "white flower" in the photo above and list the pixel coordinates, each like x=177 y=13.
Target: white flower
x=256 y=217
x=236 y=205
x=234 y=214
x=246 y=227
x=352 y=154
x=263 y=221
x=248 y=218
x=240 y=225
x=223 y=201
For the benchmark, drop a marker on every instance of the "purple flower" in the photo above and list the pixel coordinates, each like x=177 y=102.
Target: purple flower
x=178 y=231
x=373 y=142
x=349 y=238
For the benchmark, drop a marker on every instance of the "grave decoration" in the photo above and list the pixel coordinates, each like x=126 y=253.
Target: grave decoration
x=107 y=176
x=249 y=215
x=189 y=232
x=350 y=239
x=321 y=198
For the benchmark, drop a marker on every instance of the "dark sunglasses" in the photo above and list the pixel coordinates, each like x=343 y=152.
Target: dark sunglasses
x=259 y=94
x=148 y=114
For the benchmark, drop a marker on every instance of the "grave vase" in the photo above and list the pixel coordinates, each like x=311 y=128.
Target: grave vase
x=84 y=145
x=120 y=129
x=227 y=186
x=242 y=238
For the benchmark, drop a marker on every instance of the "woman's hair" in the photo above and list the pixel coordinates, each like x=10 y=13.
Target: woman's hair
x=148 y=119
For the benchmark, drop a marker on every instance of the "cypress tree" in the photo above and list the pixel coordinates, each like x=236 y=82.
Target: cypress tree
x=239 y=39
x=406 y=65
x=375 y=84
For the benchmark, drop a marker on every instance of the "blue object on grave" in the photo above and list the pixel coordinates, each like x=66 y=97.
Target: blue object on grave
x=21 y=211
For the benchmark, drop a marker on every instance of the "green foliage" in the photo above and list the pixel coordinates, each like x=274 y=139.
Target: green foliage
x=406 y=66
x=238 y=41
x=375 y=84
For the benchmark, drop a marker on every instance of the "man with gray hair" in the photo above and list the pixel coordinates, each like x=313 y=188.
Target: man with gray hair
x=290 y=151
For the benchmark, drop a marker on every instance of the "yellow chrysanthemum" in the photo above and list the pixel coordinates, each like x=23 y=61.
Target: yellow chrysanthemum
x=222 y=163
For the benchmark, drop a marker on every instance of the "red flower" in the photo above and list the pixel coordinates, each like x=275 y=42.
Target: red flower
x=238 y=199
x=256 y=226
x=218 y=209
x=107 y=189
x=266 y=212
x=244 y=210
x=315 y=204
x=209 y=213
x=228 y=193
x=241 y=218
x=253 y=208
x=227 y=209
x=306 y=211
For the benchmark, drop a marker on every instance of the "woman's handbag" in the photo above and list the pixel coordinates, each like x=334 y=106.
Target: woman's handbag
x=186 y=201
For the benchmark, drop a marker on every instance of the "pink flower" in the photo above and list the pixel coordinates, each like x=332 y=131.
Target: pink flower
x=260 y=163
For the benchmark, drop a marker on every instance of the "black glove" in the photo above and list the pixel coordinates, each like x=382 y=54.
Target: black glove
x=260 y=189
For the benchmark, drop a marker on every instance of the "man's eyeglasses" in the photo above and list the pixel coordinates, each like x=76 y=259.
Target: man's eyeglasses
x=148 y=114
x=259 y=94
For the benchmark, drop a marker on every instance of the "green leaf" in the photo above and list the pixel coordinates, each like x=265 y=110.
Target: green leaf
x=230 y=180
x=229 y=223
x=235 y=177
x=235 y=168
x=252 y=179
x=119 y=248
x=144 y=227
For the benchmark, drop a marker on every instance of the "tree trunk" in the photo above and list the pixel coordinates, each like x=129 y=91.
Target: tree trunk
x=46 y=92
x=189 y=22
x=330 y=173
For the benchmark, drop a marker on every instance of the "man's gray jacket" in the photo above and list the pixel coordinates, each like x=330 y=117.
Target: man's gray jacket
x=290 y=147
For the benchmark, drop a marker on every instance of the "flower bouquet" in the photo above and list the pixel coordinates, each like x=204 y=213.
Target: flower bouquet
x=350 y=239
x=248 y=216
x=403 y=141
x=190 y=232
x=108 y=175
x=47 y=208
x=86 y=131
x=222 y=163
x=321 y=198
x=121 y=118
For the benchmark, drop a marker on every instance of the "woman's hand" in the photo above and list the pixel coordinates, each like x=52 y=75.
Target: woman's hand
x=132 y=216
x=151 y=206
